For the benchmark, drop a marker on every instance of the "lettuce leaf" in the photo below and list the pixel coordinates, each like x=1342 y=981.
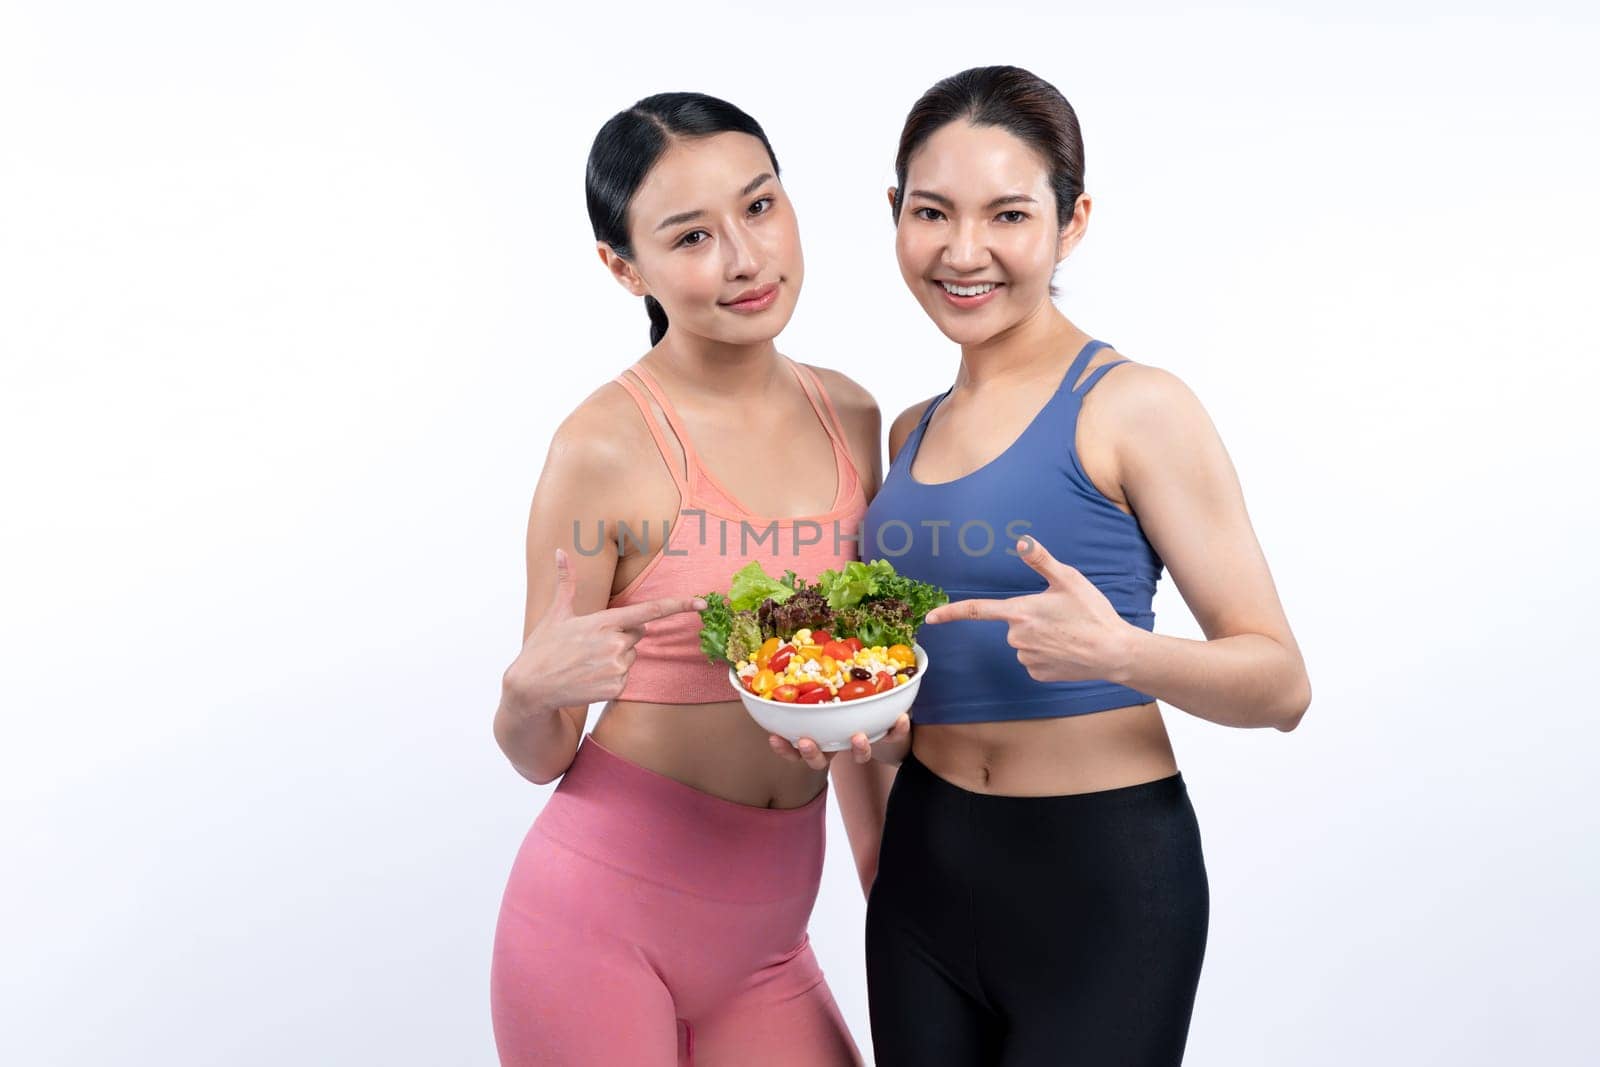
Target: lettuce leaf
x=752 y=585
x=859 y=584
x=920 y=597
x=847 y=588
x=716 y=624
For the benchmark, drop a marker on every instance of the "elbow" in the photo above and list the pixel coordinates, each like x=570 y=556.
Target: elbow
x=506 y=738
x=1297 y=705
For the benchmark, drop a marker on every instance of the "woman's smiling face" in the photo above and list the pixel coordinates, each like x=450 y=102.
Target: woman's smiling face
x=978 y=238
x=714 y=240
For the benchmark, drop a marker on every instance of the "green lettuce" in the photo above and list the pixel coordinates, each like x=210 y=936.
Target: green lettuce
x=716 y=625
x=847 y=588
x=752 y=585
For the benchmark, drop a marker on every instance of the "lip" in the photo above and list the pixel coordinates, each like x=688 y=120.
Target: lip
x=757 y=299
x=966 y=302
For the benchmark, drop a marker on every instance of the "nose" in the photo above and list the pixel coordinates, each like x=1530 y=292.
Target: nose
x=741 y=254
x=966 y=250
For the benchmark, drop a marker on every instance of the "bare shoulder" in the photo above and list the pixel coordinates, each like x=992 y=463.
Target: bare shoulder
x=904 y=423
x=1137 y=419
x=601 y=438
x=1143 y=398
x=850 y=397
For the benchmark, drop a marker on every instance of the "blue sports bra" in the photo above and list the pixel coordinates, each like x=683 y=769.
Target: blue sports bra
x=962 y=534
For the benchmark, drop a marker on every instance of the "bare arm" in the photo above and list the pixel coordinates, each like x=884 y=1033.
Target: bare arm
x=575 y=651
x=863 y=788
x=1181 y=484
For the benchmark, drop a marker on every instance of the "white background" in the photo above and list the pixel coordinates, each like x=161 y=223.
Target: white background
x=292 y=298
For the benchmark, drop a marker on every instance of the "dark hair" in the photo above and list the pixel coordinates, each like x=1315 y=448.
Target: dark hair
x=630 y=144
x=1012 y=99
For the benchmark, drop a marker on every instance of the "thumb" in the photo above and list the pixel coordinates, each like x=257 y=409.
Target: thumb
x=566 y=587
x=1038 y=557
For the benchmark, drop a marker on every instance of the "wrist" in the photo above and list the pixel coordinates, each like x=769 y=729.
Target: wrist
x=1126 y=653
x=522 y=697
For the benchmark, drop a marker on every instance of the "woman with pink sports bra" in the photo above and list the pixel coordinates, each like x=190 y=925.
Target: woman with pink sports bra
x=656 y=912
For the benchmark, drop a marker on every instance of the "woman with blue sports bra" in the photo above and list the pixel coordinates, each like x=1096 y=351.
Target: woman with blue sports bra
x=1040 y=893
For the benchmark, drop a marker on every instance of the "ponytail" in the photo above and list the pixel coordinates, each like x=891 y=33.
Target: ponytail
x=658 y=319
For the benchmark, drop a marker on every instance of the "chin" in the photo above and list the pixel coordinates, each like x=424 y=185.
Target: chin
x=757 y=332
x=965 y=330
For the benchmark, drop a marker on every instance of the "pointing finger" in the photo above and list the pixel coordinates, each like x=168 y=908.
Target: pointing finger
x=964 y=610
x=650 y=610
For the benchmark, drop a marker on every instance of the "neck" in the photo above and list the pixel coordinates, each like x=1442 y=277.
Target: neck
x=1031 y=347
x=716 y=370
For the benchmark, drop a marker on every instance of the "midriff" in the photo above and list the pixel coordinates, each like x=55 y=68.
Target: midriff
x=716 y=748
x=1052 y=756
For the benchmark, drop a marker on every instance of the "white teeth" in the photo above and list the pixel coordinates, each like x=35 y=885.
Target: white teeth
x=967 y=290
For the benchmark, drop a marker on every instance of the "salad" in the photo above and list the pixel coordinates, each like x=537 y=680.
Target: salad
x=846 y=636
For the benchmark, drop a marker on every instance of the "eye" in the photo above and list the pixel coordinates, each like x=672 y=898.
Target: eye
x=684 y=242
x=931 y=211
x=1021 y=216
x=767 y=200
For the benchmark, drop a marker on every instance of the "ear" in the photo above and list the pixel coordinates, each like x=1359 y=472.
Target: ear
x=893 y=193
x=623 y=271
x=1073 y=231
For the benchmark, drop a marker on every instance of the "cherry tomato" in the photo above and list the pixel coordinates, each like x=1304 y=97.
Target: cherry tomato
x=902 y=655
x=856 y=690
x=820 y=637
x=765 y=682
x=764 y=653
x=780 y=658
x=815 y=696
x=839 y=650
x=786 y=693
x=806 y=687
x=854 y=643
x=884 y=680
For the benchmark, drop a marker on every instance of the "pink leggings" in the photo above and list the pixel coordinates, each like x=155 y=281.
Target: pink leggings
x=648 y=923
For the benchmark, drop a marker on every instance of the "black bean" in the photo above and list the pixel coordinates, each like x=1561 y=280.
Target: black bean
x=907 y=671
x=861 y=674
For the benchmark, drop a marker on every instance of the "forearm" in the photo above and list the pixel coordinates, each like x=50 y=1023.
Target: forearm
x=539 y=741
x=1243 y=680
x=862 y=790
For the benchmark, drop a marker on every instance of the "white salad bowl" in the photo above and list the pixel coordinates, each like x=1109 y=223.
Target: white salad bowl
x=831 y=725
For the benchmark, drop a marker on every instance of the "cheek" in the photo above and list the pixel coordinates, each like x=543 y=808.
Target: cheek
x=692 y=282
x=912 y=251
x=1028 y=260
x=784 y=245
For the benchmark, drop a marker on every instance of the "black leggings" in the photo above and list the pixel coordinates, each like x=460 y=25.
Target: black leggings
x=1034 y=931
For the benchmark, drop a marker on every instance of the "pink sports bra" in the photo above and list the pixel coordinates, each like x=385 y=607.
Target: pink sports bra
x=712 y=536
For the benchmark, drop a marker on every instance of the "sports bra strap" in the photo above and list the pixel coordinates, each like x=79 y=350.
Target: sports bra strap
x=830 y=419
x=671 y=412
x=1075 y=371
x=679 y=478
x=1099 y=372
x=927 y=412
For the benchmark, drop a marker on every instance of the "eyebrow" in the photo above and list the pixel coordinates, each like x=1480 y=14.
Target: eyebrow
x=688 y=216
x=945 y=201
